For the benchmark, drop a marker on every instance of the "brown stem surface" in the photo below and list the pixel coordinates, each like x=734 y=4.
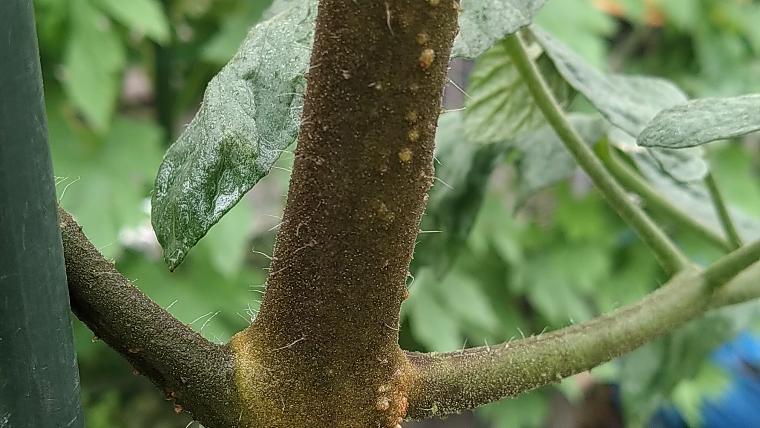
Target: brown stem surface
x=326 y=338
x=193 y=372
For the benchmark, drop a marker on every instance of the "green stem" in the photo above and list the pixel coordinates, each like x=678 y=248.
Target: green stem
x=731 y=265
x=446 y=383
x=671 y=258
x=723 y=215
x=449 y=383
x=635 y=183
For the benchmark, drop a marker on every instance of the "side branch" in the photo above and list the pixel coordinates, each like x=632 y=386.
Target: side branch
x=725 y=269
x=452 y=382
x=669 y=256
x=192 y=371
x=635 y=183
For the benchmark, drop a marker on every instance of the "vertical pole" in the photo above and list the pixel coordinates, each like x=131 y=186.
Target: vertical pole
x=39 y=381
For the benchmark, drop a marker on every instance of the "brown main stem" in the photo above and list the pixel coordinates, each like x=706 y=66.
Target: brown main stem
x=323 y=350
x=362 y=171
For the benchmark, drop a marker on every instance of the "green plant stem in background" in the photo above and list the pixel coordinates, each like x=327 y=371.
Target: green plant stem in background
x=723 y=214
x=731 y=265
x=635 y=183
x=671 y=258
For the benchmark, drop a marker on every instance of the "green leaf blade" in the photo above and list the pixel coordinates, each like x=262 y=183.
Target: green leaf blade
x=145 y=16
x=93 y=59
x=702 y=121
x=627 y=102
x=500 y=106
x=482 y=23
x=250 y=113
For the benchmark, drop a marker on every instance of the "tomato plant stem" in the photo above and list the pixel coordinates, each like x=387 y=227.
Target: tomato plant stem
x=669 y=256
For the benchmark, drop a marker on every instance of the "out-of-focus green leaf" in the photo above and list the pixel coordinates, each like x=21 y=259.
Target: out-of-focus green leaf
x=465 y=300
x=462 y=172
x=500 y=106
x=690 y=395
x=737 y=177
x=629 y=281
x=482 y=23
x=543 y=160
x=250 y=113
x=582 y=218
x=685 y=14
x=144 y=16
x=431 y=324
x=525 y=411
x=104 y=181
x=701 y=121
x=227 y=243
x=582 y=26
x=234 y=27
x=93 y=59
x=556 y=280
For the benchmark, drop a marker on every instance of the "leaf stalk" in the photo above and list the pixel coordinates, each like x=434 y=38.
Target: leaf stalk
x=669 y=256
x=720 y=207
x=635 y=183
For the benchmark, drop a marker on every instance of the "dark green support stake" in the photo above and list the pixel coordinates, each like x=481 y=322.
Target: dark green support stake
x=39 y=380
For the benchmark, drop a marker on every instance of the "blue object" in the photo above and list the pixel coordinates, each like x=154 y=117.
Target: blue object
x=739 y=404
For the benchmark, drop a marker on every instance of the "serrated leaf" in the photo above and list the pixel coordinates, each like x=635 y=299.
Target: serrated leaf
x=144 y=16
x=701 y=121
x=500 y=106
x=93 y=58
x=250 y=113
x=627 y=102
x=482 y=23
x=462 y=171
x=544 y=160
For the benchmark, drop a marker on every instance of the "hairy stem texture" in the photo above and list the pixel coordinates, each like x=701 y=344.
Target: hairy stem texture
x=452 y=382
x=324 y=346
x=449 y=383
x=193 y=372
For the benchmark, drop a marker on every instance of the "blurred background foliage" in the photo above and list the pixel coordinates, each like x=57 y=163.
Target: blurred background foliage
x=122 y=78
